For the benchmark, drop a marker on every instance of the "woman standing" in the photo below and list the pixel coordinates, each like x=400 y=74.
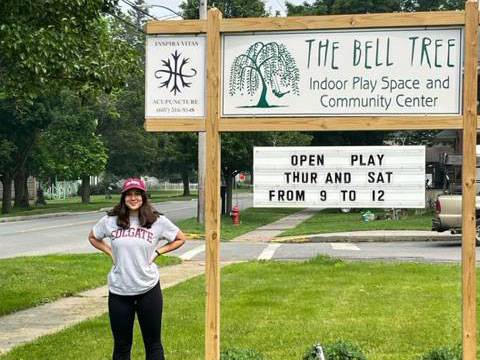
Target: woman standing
x=135 y=230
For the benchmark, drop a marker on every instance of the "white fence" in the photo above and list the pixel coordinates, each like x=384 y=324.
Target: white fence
x=173 y=186
x=62 y=190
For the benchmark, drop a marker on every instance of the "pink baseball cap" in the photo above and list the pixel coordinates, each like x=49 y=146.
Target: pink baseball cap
x=134 y=183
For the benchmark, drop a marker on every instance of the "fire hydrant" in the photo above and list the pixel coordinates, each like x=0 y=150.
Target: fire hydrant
x=235 y=214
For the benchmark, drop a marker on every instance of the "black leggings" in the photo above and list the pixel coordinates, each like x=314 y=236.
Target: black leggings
x=148 y=307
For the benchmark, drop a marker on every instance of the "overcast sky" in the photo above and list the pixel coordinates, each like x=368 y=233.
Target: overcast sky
x=271 y=5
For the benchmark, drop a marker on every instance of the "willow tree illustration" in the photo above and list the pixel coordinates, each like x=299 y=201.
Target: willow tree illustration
x=264 y=66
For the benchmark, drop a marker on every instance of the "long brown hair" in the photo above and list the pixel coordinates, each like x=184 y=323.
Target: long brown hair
x=147 y=215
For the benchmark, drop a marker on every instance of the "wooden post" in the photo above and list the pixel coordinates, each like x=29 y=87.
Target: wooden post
x=468 y=179
x=212 y=189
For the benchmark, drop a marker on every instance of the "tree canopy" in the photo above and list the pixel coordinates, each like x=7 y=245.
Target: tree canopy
x=46 y=47
x=49 y=44
x=332 y=7
x=229 y=8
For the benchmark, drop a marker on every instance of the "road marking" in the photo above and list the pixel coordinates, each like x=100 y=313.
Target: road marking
x=191 y=253
x=52 y=227
x=269 y=251
x=344 y=246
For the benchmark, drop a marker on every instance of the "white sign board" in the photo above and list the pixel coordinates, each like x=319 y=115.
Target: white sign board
x=175 y=76
x=339 y=73
x=340 y=177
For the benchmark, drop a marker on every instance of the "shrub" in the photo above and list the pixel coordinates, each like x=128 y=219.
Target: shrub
x=444 y=353
x=340 y=350
x=241 y=354
x=325 y=260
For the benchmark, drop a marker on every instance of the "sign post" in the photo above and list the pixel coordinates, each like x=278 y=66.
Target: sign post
x=469 y=288
x=354 y=83
x=212 y=193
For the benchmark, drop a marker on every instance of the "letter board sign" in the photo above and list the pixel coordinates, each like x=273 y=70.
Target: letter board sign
x=340 y=177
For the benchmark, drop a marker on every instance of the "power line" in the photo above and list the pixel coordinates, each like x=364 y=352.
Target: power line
x=139 y=9
x=127 y=22
x=166 y=8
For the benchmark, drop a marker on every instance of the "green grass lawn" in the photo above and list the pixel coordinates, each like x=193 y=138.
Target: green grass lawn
x=329 y=221
x=250 y=219
x=97 y=202
x=392 y=311
x=34 y=280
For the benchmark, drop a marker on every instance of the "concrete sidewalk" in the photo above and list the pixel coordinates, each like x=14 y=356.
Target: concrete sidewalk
x=270 y=231
x=27 y=325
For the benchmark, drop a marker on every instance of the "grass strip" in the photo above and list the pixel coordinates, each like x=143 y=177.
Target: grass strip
x=34 y=280
x=97 y=202
x=330 y=222
x=250 y=219
x=392 y=311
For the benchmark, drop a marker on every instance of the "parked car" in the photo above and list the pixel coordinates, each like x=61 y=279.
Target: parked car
x=448 y=215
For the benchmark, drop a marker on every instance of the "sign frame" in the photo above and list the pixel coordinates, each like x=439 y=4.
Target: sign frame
x=213 y=124
x=343 y=76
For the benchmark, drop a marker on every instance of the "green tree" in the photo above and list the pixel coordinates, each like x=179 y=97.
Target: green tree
x=7 y=151
x=229 y=8
x=69 y=147
x=21 y=135
x=48 y=47
x=318 y=7
x=432 y=5
x=420 y=137
x=332 y=7
x=132 y=151
x=177 y=154
x=43 y=46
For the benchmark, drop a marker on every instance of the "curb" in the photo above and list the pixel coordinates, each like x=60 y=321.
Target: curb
x=49 y=215
x=359 y=237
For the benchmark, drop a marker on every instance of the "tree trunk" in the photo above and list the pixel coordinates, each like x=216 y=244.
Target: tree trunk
x=186 y=184
x=7 y=193
x=262 y=102
x=40 y=197
x=20 y=199
x=229 y=182
x=26 y=195
x=85 y=189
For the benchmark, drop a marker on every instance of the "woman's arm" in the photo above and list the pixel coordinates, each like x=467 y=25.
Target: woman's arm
x=175 y=244
x=100 y=245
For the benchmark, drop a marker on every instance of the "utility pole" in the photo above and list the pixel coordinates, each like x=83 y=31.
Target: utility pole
x=201 y=147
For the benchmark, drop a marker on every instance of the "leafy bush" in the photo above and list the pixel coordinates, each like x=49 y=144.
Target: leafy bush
x=340 y=350
x=444 y=353
x=241 y=354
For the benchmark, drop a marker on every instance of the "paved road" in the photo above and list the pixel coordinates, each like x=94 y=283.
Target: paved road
x=69 y=233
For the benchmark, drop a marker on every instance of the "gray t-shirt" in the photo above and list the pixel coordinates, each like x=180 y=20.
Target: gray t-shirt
x=133 y=250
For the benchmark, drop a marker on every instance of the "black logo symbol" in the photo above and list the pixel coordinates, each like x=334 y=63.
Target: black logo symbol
x=175 y=73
